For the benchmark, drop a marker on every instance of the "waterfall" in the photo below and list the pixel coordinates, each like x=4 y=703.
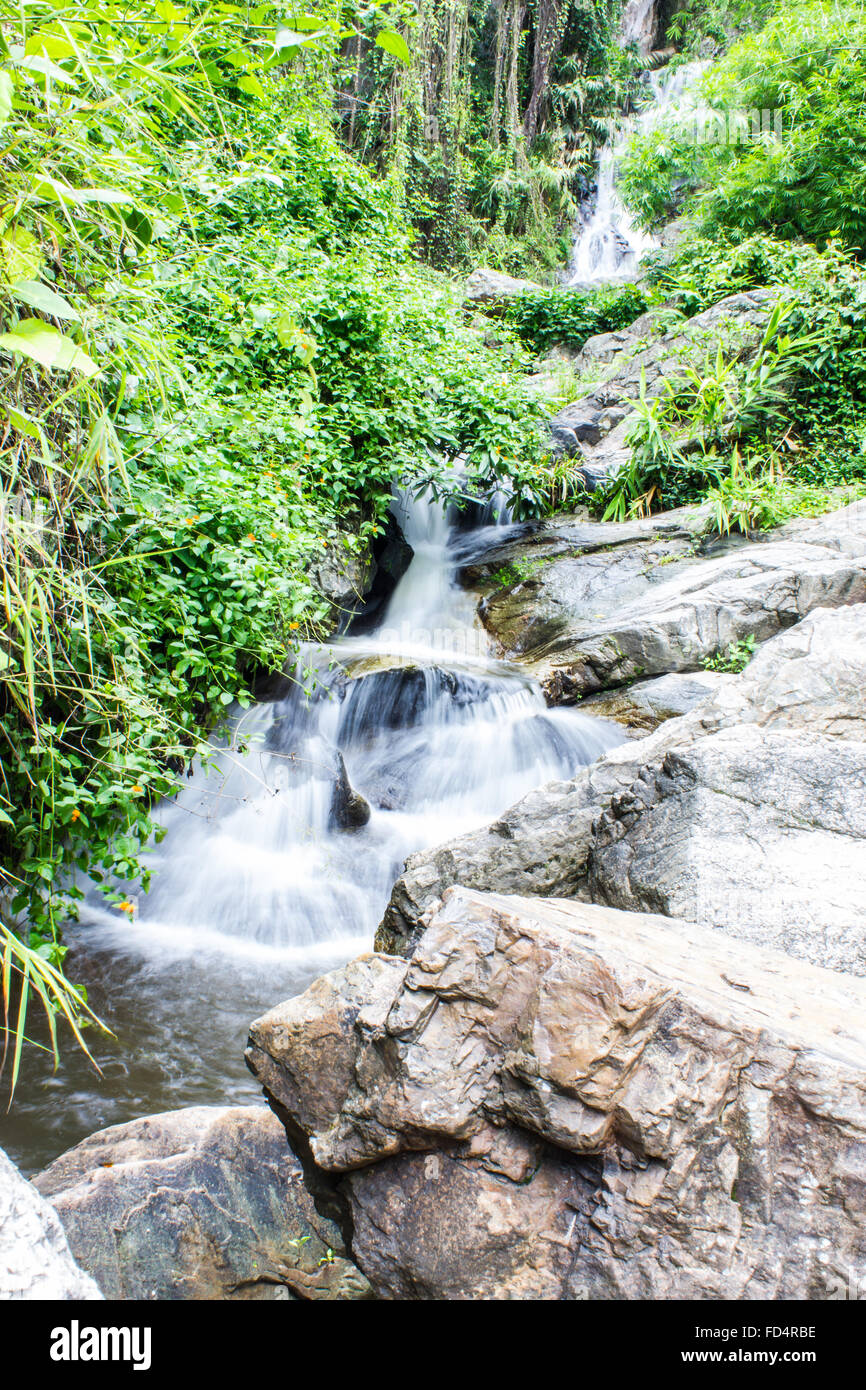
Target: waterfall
x=278 y=857
x=426 y=726
x=608 y=245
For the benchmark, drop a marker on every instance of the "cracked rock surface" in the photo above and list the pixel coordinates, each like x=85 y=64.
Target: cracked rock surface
x=561 y=1100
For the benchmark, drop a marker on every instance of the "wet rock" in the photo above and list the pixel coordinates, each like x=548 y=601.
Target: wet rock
x=641 y=707
x=204 y=1203
x=586 y=620
x=392 y=556
x=343 y=576
x=349 y=810
x=401 y=697
x=35 y=1259
x=559 y=1100
x=487 y=287
x=744 y=814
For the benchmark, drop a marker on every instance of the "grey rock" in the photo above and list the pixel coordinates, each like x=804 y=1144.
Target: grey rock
x=35 y=1259
x=342 y=577
x=641 y=707
x=639 y=353
x=757 y=831
x=744 y=814
x=586 y=620
x=349 y=810
x=204 y=1203
x=492 y=288
x=559 y=1100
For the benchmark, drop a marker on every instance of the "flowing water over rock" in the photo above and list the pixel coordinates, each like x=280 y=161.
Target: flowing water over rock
x=608 y=244
x=279 y=858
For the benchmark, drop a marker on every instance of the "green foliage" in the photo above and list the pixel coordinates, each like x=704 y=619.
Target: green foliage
x=569 y=317
x=734 y=658
x=807 y=67
x=707 y=269
x=685 y=440
x=217 y=358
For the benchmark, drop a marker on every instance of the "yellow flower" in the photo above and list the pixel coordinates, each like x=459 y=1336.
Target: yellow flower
x=137 y=789
x=76 y=814
x=127 y=907
x=294 y=625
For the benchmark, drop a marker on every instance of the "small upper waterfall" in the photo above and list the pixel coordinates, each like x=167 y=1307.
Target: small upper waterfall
x=608 y=245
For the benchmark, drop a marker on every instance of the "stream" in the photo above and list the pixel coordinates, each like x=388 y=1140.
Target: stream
x=269 y=873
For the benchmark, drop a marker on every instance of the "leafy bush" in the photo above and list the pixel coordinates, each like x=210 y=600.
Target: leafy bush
x=807 y=66
x=217 y=358
x=569 y=317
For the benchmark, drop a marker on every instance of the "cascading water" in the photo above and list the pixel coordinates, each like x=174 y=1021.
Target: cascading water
x=608 y=245
x=278 y=859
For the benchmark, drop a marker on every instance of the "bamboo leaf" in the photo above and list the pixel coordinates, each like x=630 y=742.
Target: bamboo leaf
x=43 y=343
x=39 y=296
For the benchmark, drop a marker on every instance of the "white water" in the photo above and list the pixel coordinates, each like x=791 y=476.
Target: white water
x=608 y=246
x=255 y=889
x=437 y=735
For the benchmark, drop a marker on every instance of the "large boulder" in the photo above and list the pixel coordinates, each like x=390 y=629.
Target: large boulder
x=588 y=607
x=204 y=1203
x=557 y=1100
x=491 y=288
x=35 y=1259
x=746 y=814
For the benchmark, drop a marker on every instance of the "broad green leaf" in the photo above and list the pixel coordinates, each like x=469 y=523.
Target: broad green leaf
x=395 y=44
x=42 y=343
x=39 y=296
x=51 y=44
x=47 y=187
x=22 y=254
x=7 y=88
x=307 y=22
x=139 y=226
x=250 y=83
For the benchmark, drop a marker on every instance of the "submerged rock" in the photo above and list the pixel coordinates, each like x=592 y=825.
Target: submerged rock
x=35 y=1259
x=204 y=1203
x=558 y=1100
x=746 y=814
